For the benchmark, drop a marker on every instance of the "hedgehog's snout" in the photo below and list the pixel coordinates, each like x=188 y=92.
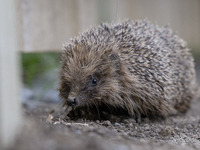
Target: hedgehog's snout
x=72 y=101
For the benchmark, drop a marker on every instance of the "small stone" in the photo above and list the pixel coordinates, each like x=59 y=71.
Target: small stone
x=92 y=123
x=176 y=129
x=183 y=136
x=189 y=126
x=126 y=121
x=130 y=125
x=124 y=134
x=167 y=131
x=194 y=136
x=107 y=123
x=116 y=124
x=131 y=134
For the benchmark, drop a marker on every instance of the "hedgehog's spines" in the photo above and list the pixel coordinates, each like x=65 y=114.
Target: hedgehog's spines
x=143 y=68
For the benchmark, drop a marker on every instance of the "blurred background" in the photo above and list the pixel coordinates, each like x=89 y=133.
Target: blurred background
x=44 y=25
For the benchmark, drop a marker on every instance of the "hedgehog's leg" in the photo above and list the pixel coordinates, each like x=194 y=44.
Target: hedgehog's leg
x=136 y=116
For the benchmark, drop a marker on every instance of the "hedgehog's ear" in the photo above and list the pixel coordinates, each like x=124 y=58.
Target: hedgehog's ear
x=115 y=60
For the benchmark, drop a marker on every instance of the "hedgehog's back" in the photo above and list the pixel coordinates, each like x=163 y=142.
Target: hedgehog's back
x=160 y=60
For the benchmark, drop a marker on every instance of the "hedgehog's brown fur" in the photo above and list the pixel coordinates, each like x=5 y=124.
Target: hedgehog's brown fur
x=140 y=67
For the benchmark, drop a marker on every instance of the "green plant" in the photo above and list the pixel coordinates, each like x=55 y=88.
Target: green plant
x=35 y=64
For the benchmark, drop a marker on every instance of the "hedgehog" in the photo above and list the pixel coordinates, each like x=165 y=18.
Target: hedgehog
x=134 y=66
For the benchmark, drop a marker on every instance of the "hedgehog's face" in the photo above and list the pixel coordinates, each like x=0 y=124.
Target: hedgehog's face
x=81 y=90
x=89 y=79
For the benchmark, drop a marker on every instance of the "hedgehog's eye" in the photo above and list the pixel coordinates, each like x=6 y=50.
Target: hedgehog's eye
x=94 y=81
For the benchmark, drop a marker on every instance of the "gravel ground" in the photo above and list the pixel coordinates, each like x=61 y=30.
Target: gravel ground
x=47 y=128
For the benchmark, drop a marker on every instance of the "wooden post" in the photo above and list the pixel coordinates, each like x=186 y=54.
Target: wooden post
x=10 y=118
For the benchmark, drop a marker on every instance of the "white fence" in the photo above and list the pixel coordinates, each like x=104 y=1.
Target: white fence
x=45 y=24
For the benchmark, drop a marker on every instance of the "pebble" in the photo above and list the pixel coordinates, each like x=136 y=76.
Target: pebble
x=124 y=134
x=126 y=121
x=116 y=124
x=167 y=131
x=189 y=126
x=107 y=123
x=130 y=125
x=131 y=134
x=183 y=136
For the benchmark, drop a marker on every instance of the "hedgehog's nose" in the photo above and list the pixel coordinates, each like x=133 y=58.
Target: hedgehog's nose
x=72 y=101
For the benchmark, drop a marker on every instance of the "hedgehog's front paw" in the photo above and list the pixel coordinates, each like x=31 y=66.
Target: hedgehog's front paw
x=137 y=117
x=83 y=112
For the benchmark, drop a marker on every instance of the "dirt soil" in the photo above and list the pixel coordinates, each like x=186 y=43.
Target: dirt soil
x=47 y=128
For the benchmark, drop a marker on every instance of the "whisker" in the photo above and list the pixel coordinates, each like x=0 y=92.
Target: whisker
x=61 y=100
x=97 y=109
